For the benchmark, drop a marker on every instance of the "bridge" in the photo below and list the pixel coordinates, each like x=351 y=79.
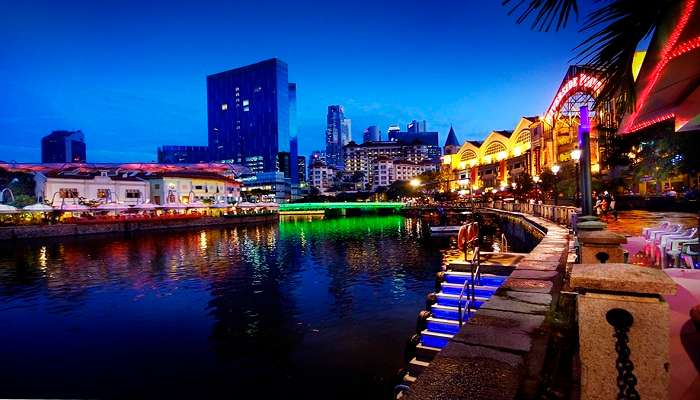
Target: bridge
x=313 y=208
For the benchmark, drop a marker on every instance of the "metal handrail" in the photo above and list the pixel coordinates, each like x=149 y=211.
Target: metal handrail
x=469 y=285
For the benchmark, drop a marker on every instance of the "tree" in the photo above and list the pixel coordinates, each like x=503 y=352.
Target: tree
x=617 y=27
x=397 y=190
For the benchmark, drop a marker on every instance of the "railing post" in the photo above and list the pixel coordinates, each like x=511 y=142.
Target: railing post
x=623 y=325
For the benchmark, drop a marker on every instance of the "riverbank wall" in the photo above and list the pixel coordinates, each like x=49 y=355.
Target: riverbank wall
x=21 y=232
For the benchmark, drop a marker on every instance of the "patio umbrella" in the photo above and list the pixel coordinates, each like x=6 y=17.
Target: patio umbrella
x=72 y=207
x=174 y=206
x=146 y=206
x=246 y=204
x=38 y=207
x=5 y=209
x=112 y=207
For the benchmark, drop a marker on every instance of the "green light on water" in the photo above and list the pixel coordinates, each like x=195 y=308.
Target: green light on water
x=339 y=206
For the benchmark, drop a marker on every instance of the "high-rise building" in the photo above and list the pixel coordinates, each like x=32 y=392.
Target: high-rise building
x=338 y=134
x=368 y=158
x=392 y=130
x=301 y=168
x=63 y=147
x=293 y=134
x=183 y=154
x=248 y=111
x=428 y=139
x=371 y=134
x=417 y=126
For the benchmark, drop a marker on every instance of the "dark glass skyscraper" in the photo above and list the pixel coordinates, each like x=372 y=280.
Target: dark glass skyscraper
x=338 y=134
x=248 y=114
x=168 y=154
x=63 y=147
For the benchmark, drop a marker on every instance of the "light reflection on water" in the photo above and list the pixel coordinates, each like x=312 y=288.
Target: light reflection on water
x=299 y=307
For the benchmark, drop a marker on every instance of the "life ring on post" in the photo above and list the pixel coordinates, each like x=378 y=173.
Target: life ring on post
x=462 y=236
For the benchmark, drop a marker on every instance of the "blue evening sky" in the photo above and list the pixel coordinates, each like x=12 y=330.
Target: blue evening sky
x=131 y=74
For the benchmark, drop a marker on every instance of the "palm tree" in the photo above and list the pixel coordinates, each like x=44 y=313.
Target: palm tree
x=616 y=28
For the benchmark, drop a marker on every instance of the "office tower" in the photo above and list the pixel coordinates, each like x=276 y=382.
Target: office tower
x=293 y=160
x=338 y=134
x=416 y=126
x=371 y=134
x=301 y=168
x=183 y=154
x=248 y=113
x=63 y=147
x=392 y=129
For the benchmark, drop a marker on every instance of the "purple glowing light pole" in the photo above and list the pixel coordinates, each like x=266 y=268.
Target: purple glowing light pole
x=584 y=143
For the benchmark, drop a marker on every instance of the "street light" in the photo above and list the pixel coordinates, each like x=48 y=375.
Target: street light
x=415 y=182
x=555 y=171
x=576 y=156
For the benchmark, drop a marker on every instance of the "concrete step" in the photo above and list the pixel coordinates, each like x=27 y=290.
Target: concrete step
x=456 y=288
x=409 y=379
x=426 y=353
x=416 y=366
x=445 y=299
x=442 y=325
x=486 y=279
x=452 y=312
x=434 y=339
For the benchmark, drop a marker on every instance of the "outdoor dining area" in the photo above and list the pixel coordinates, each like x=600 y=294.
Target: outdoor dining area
x=672 y=245
x=81 y=212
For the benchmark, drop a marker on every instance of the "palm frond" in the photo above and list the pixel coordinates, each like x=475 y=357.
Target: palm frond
x=618 y=28
x=545 y=12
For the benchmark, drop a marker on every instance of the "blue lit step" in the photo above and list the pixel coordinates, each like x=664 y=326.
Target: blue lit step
x=434 y=339
x=445 y=299
x=450 y=312
x=442 y=325
x=455 y=288
x=486 y=279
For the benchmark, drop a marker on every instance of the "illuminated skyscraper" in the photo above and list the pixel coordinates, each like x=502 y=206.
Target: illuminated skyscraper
x=248 y=110
x=338 y=134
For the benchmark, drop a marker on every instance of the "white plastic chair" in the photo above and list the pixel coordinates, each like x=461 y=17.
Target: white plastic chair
x=666 y=243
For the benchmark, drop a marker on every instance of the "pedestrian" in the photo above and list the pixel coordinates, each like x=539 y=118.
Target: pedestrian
x=613 y=208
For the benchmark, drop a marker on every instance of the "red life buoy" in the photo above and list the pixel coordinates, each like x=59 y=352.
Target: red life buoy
x=462 y=236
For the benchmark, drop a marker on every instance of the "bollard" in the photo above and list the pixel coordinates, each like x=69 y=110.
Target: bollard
x=598 y=246
x=623 y=330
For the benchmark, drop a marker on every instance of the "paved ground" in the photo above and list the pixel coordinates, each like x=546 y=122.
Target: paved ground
x=685 y=339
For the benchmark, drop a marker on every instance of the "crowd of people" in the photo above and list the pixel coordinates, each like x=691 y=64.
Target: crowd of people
x=605 y=204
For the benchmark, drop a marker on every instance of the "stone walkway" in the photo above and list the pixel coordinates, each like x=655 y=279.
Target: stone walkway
x=501 y=350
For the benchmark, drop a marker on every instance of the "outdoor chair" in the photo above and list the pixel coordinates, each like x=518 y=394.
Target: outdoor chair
x=663 y=226
x=655 y=235
x=667 y=241
x=689 y=255
x=676 y=252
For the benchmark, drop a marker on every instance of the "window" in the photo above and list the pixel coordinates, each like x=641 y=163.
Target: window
x=224 y=107
x=133 y=194
x=68 y=193
x=156 y=186
x=198 y=187
x=102 y=193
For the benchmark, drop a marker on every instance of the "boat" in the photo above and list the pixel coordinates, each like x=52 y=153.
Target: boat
x=445 y=230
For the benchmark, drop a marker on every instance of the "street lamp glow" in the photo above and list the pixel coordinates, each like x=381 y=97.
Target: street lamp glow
x=555 y=169
x=462 y=192
x=536 y=179
x=576 y=154
x=415 y=182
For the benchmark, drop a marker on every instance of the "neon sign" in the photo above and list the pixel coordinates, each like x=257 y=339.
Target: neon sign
x=580 y=82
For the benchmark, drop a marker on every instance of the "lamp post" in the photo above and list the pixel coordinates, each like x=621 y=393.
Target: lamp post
x=555 y=171
x=536 y=180
x=576 y=156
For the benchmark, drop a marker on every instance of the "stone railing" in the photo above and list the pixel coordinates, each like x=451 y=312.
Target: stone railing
x=562 y=215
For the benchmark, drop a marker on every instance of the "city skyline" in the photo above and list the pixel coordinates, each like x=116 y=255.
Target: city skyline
x=462 y=77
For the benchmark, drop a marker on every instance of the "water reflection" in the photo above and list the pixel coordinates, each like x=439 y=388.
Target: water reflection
x=292 y=308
